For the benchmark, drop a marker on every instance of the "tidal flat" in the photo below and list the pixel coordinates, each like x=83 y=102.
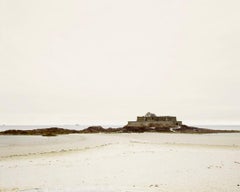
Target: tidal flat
x=126 y=162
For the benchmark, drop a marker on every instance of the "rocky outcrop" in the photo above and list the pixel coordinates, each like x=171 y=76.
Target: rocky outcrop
x=93 y=129
x=188 y=129
x=53 y=131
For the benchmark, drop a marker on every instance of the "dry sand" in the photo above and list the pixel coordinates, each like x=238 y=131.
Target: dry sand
x=121 y=163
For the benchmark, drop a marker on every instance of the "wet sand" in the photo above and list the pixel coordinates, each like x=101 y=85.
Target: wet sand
x=121 y=162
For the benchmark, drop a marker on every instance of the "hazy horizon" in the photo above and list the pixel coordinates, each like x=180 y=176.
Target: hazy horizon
x=81 y=61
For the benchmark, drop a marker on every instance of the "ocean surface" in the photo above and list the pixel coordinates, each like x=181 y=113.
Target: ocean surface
x=80 y=127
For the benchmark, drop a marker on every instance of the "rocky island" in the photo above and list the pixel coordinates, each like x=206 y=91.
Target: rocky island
x=148 y=123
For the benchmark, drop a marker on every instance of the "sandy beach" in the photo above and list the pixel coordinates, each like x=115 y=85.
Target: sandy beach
x=121 y=162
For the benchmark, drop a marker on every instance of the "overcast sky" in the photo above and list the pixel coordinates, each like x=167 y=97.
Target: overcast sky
x=107 y=61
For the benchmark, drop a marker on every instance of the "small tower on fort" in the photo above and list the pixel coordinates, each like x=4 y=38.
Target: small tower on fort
x=148 y=114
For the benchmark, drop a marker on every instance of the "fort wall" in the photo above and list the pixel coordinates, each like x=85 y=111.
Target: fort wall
x=160 y=118
x=151 y=120
x=152 y=124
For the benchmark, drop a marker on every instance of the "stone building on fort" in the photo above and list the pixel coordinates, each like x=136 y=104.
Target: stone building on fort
x=151 y=120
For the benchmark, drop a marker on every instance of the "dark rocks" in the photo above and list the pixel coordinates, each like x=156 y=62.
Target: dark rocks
x=93 y=129
x=129 y=129
x=54 y=131
x=100 y=129
x=188 y=129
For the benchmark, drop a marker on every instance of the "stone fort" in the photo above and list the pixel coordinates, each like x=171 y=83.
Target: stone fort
x=151 y=120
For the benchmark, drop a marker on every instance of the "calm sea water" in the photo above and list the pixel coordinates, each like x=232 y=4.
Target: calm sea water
x=80 y=127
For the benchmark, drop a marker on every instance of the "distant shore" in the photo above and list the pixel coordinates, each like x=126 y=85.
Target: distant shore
x=54 y=131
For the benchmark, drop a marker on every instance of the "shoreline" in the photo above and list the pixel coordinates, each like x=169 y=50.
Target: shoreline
x=54 y=131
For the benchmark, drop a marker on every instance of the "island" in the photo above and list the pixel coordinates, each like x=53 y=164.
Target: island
x=147 y=123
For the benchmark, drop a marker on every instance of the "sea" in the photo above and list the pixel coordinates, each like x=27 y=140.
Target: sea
x=80 y=127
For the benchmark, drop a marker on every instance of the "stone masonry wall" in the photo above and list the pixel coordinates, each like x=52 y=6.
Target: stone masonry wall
x=152 y=124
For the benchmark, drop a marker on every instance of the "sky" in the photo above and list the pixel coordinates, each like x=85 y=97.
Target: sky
x=108 y=61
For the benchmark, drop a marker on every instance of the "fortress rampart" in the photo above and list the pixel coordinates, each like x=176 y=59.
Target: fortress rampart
x=151 y=120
